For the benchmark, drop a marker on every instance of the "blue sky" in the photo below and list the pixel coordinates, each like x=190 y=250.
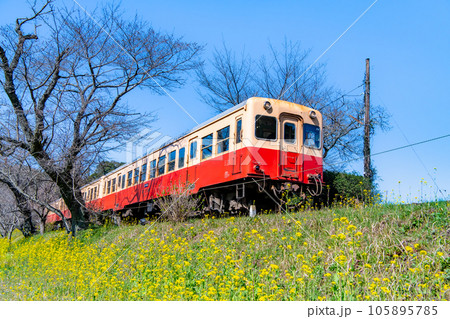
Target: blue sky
x=407 y=42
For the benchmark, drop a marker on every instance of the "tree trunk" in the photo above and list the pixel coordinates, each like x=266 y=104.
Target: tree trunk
x=27 y=228
x=41 y=226
x=75 y=204
x=10 y=235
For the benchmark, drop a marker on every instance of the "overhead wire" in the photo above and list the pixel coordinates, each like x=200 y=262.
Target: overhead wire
x=327 y=49
x=414 y=150
x=332 y=164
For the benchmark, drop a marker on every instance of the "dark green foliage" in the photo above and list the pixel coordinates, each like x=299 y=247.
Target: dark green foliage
x=340 y=185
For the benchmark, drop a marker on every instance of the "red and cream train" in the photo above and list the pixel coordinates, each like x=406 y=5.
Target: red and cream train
x=241 y=157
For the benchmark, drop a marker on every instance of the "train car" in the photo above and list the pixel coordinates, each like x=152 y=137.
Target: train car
x=242 y=157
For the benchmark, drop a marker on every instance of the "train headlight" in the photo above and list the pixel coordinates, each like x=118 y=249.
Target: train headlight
x=313 y=115
x=268 y=106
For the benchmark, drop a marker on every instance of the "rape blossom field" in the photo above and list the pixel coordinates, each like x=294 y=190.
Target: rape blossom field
x=381 y=252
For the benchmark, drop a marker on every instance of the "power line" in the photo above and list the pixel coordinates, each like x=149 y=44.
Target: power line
x=345 y=94
x=392 y=149
x=327 y=49
x=415 y=153
x=413 y=144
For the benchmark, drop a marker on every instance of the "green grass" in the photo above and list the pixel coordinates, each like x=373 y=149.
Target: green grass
x=387 y=252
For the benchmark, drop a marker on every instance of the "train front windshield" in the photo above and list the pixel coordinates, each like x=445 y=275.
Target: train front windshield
x=311 y=136
x=266 y=127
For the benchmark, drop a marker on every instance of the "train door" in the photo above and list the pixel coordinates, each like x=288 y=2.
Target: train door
x=236 y=159
x=193 y=155
x=289 y=146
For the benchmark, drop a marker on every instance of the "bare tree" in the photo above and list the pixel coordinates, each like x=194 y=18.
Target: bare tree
x=31 y=190
x=230 y=82
x=9 y=218
x=65 y=87
x=286 y=74
x=45 y=191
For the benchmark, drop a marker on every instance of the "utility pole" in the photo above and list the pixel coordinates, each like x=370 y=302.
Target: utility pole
x=367 y=166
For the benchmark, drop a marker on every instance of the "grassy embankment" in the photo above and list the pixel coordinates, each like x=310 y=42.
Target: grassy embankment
x=387 y=252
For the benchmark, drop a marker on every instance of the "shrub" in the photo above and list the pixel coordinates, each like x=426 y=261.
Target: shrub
x=179 y=204
x=341 y=185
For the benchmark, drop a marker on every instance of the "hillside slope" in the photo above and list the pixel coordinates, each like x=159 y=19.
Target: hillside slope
x=389 y=252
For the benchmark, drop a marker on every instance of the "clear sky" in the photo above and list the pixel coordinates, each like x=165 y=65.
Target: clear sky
x=407 y=41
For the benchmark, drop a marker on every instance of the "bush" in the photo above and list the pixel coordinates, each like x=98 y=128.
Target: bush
x=341 y=185
x=179 y=204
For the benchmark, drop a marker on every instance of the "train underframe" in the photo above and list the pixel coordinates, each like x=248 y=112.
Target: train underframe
x=249 y=195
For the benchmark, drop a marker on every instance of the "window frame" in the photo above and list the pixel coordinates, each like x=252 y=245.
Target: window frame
x=113 y=185
x=203 y=147
x=223 y=140
x=136 y=176
x=289 y=141
x=171 y=161
x=320 y=136
x=143 y=173
x=276 y=128
x=163 y=166
x=195 y=149
x=239 y=132
x=181 y=158
x=129 y=178
x=153 y=169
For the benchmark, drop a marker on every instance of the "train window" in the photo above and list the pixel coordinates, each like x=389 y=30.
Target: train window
x=108 y=191
x=129 y=178
x=123 y=181
x=266 y=127
x=143 y=172
x=153 y=169
x=136 y=175
x=207 y=146
x=162 y=165
x=311 y=136
x=171 y=161
x=113 y=185
x=104 y=188
x=223 y=140
x=193 y=153
x=289 y=133
x=95 y=192
x=238 y=131
x=181 y=158
x=119 y=183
